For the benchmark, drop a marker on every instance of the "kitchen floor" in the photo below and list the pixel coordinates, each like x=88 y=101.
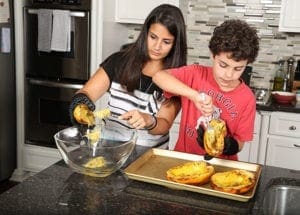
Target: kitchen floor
x=7 y=184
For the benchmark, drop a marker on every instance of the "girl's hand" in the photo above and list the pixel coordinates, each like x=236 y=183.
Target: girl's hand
x=204 y=103
x=137 y=119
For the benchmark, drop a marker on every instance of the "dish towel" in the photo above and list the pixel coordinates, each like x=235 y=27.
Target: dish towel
x=44 y=29
x=61 y=32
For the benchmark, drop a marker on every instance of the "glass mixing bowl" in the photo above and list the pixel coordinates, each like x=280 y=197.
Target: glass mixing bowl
x=100 y=156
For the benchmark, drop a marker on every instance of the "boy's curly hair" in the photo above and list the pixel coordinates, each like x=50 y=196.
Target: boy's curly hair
x=236 y=37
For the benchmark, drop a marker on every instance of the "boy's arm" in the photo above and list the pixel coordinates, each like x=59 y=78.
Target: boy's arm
x=171 y=84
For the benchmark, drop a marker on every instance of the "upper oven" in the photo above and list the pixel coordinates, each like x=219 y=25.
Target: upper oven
x=52 y=76
x=71 y=65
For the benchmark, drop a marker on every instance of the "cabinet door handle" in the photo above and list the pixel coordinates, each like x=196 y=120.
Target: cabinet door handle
x=292 y=128
x=298 y=146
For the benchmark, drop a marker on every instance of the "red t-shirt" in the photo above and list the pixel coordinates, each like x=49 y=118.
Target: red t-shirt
x=237 y=107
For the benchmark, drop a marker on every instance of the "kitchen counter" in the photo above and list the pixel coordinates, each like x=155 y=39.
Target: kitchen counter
x=294 y=107
x=58 y=190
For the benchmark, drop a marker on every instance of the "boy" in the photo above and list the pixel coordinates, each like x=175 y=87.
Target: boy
x=234 y=44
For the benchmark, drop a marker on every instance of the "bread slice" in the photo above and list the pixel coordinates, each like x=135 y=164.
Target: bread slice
x=235 y=181
x=83 y=115
x=194 y=172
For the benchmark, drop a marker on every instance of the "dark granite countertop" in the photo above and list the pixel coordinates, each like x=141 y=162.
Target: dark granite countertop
x=293 y=107
x=58 y=190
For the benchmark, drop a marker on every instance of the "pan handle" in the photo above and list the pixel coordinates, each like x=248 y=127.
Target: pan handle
x=55 y=84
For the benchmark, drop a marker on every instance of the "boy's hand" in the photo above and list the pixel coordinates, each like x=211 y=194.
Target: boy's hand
x=231 y=146
x=200 y=132
x=204 y=103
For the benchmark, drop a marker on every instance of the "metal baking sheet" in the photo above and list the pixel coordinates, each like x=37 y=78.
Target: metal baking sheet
x=152 y=166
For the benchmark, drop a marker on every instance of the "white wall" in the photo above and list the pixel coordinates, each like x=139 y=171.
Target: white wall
x=114 y=34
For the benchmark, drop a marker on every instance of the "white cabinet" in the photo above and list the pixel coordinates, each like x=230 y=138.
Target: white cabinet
x=289 y=16
x=174 y=132
x=280 y=144
x=135 y=11
x=249 y=152
x=283 y=152
x=285 y=124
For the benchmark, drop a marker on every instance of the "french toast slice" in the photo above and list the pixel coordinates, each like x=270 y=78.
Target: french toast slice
x=236 y=181
x=194 y=172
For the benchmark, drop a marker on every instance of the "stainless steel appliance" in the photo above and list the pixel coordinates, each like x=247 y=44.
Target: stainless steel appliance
x=262 y=95
x=73 y=65
x=47 y=106
x=7 y=97
x=53 y=77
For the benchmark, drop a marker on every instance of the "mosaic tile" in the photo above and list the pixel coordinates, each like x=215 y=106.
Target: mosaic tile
x=203 y=15
x=266 y=1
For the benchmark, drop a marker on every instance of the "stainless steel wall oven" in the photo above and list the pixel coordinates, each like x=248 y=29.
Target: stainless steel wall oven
x=52 y=77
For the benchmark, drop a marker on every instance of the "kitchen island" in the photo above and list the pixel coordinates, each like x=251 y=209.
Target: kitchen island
x=59 y=190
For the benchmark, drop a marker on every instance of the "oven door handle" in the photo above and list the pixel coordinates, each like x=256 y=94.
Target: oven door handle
x=55 y=84
x=72 y=13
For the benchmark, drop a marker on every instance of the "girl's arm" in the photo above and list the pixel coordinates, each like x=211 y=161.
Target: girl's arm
x=97 y=85
x=158 y=124
x=166 y=115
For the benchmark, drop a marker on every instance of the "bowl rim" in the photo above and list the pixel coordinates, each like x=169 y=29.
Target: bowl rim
x=78 y=141
x=283 y=93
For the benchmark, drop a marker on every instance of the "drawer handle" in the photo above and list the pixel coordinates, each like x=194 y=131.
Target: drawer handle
x=298 y=146
x=292 y=128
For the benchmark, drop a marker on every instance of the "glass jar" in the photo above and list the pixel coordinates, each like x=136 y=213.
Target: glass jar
x=279 y=78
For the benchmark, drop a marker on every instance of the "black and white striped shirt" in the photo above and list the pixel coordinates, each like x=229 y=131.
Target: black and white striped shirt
x=147 y=99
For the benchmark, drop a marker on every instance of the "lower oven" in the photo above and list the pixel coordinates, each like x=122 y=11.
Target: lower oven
x=46 y=110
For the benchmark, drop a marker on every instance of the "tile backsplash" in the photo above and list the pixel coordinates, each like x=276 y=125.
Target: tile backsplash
x=202 y=16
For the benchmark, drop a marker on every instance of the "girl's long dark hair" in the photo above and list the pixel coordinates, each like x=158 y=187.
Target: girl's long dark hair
x=136 y=55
